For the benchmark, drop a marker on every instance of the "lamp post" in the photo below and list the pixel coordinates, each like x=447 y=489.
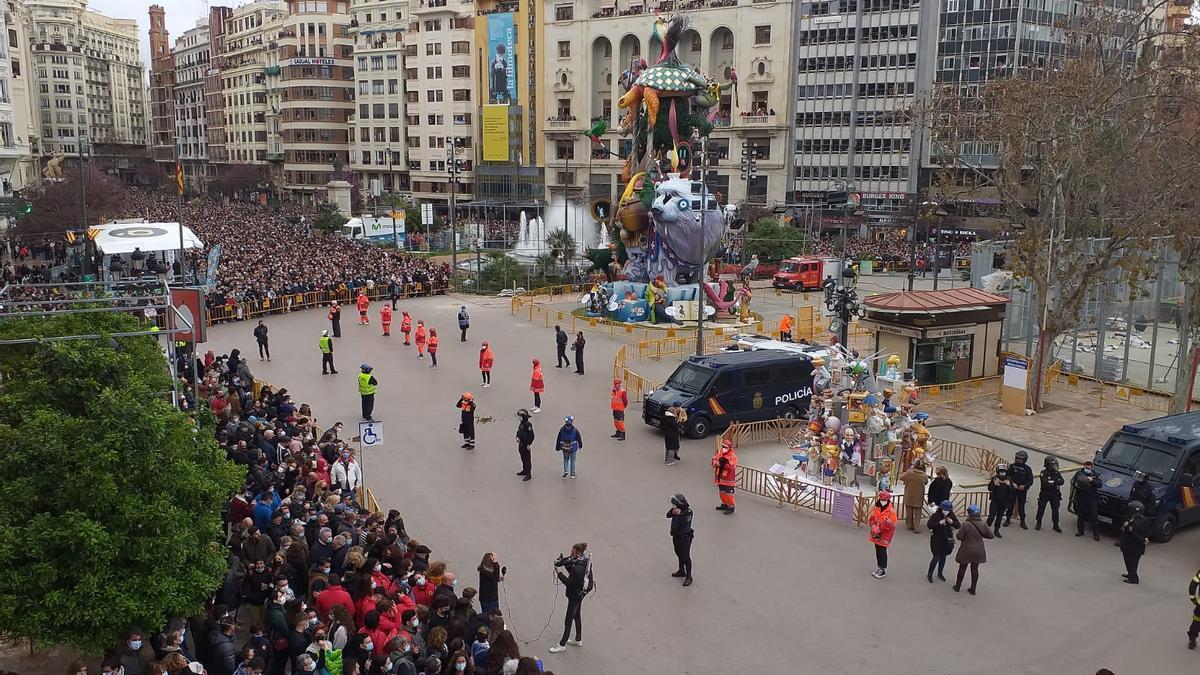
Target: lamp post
x=841 y=298
x=454 y=168
x=700 y=305
x=391 y=204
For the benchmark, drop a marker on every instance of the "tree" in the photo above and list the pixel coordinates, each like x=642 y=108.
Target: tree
x=110 y=512
x=543 y=265
x=562 y=247
x=1080 y=163
x=238 y=178
x=328 y=220
x=56 y=206
x=500 y=271
x=772 y=240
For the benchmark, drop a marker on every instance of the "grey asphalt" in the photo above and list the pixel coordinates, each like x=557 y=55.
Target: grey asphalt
x=775 y=591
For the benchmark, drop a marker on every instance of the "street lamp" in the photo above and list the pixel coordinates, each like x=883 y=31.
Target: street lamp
x=841 y=298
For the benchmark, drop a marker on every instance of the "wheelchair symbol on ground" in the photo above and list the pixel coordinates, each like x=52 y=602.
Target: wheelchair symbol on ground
x=371 y=434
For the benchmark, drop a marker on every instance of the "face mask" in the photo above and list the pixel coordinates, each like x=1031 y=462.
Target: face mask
x=345 y=455
x=461 y=666
x=416 y=622
x=368 y=646
x=312 y=621
x=135 y=644
x=420 y=581
x=454 y=583
x=325 y=570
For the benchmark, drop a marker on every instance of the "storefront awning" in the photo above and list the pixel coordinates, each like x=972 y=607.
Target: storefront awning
x=926 y=302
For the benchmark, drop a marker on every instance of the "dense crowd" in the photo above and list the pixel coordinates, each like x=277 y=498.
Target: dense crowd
x=317 y=583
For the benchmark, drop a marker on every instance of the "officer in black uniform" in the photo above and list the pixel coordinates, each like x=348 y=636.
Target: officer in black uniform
x=1050 y=492
x=1083 y=494
x=1002 y=494
x=1134 y=537
x=1142 y=492
x=1021 y=477
x=524 y=440
x=681 y=536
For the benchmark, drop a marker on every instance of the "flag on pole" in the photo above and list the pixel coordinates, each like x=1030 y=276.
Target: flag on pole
x=179 y=176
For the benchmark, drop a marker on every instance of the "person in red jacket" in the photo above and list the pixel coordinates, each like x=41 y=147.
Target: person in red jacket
x=433 y=347
x=725 y=475
x=363 y=303
x=405 y=326
x=882 y=524
x=486 y=359
x=537 y=384
x=419 y=338
x=422 y=590
x=385 y=318
x=619 y=401
x=333 y=594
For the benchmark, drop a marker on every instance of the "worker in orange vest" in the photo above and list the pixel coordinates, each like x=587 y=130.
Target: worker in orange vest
x=785 y=328
x=335 y=318
x=385 y=317
x=405 y=326
x=725 y=475
x=433 y=346
x=420 y=339
x=486 y=358
x=363 y=302
x=620 y=401
x=537 y=384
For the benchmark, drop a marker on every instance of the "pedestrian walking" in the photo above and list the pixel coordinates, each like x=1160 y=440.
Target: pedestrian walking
x=466 y=424
x=486 y=359
x=939 y=488
x=882 y=524
x=325 y=344
x=1049 y=492
x=406 y=327
x=971 y=553
x=1083 y=495
x=260 y=336
x=578 y=346
x=433 y=347
x=363 y=304
x=393 y=291
x=914 y=492
x=670 y=429
x=1135 y=534
x=618 y=401
x=367 y=386
x=385 y=318
x=785 y=328
x=1021 y=477
x=576 y=577
x=464 y=322
x=569 y=442
x=1001 y=489
x=560 y=345
x=524 y=443
x=724 y=465
x=942 y=525
x=419 y=338
x=1194 y=630
x=537 y=384
x=335 y=318
x=682 y=535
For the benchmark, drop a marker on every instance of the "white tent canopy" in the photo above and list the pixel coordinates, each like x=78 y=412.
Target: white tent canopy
x=119 y=238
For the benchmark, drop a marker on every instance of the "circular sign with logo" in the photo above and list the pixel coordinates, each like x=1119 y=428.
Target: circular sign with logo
x=757 y=402
x=1113 y=482
x=136 y=232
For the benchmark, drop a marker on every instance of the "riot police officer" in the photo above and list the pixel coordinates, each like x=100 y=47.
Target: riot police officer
x=1021 y=477
x=1049 y=492
x=1083 y=495
x=1001 y=488
x=1142 y=492
x=681 y=536
x=1134 y=537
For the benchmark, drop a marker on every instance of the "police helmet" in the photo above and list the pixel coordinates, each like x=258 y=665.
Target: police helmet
x=1022 y=456
x=679 y=500
x=366 y=367
x=1136 y=507
x=1139 y=476
x=1051 y=463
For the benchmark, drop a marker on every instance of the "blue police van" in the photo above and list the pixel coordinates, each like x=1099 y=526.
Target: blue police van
x=735 y=386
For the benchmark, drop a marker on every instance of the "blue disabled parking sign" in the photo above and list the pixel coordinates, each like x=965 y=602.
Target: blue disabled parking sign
x=370 y=434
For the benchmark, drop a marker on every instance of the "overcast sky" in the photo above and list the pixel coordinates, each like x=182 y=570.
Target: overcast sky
x=181 y=16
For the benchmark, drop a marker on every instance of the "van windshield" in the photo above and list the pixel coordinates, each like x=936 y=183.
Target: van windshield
x=788 y=266
x=690 y=378
x=1131 y=454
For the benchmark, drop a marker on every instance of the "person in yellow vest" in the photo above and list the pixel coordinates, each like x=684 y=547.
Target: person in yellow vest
x=326 y=345
x=619 y=400
x=785 y=328
x=367 y=385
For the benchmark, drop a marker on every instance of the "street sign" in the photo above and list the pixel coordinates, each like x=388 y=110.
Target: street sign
x=370 y=434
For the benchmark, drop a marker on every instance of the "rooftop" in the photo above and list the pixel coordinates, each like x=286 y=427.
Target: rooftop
x=934 y=301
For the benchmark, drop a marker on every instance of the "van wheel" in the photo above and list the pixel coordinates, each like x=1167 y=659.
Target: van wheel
x=698 y=427
x=790 y=413
x=1163 y=528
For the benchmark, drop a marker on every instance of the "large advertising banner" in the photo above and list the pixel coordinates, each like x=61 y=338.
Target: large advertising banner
x=502 y=73
x=495 y=133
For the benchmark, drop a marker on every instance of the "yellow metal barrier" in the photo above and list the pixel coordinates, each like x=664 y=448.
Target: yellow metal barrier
x=287 y=303
x=956 y=393
x=1119 y=393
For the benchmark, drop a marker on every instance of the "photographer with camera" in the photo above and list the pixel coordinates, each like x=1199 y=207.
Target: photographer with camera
x=575 y=572
x=681 y=536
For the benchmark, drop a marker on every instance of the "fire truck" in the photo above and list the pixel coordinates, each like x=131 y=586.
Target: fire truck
x=806 y=273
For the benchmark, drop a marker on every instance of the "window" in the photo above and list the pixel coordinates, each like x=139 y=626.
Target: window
x=949 y=63
x=564 y=149
x=951 y=6
x=1001 y=61
x=756 y=377
x=762 y=35
x=391 y=62
x=393 y=86
x=462 y=94
x=460 y=71
x=564 y=49
x=434 y=95
x=377 y=87
x=974 y=61
x=460 y=47
x=564 y=108
x=433 y=49
x=564 y=13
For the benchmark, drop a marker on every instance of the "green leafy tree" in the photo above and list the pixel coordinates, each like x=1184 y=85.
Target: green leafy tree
x=562 y=247
x=328 y=220
x=114 y=517
x=500 y=271
x=773 y=240
x=543 y=266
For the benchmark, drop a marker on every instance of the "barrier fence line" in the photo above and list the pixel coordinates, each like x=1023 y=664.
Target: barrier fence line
x=286 y=303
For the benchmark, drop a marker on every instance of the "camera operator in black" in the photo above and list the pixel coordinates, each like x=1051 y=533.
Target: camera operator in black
x=1083 y=493
x=576 y=575
x=1050 y=492
x=1002 y=494
x=681 y=536
x=1021 y=477
x=1142 y=492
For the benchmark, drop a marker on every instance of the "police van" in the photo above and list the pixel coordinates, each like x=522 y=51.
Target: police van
x=735 y=386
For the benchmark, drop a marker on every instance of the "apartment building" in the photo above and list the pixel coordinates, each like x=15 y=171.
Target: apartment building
x=316 y=59
x=214 y=94
x=18 y=125
x=162 y=95
x=193 y=57
x=249 y=76
x=377 y=135
x=592 y=42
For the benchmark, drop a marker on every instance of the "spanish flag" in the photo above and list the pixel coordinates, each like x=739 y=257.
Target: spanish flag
x=179 y=176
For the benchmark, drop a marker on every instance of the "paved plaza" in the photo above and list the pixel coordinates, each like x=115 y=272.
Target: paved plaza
x=775 y=590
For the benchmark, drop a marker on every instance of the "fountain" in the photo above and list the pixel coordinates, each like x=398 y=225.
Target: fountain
x=531 y=240
x=576 y=219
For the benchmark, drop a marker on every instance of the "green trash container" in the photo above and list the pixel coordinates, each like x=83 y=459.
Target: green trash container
x=945 y=372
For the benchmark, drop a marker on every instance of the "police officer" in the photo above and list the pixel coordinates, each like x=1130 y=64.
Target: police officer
x=524 y=440
x=367 y=385
x=1134 y=537
x=1083 y=495
x=1001 y=488
x=1050 y=492
x=1194 y=629
x=1142 y=492
x=1021 y=477
x=681 y=536
x=325 y=343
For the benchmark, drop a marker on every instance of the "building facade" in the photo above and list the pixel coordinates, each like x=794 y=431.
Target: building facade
x=193 y=56
x=18 y=130
x=249 y=78
x=162 y=91
x=377 y=128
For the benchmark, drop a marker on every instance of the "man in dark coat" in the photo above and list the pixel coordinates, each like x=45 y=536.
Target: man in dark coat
x=1002 y=495
x=1049 y=492
x=670 y=429
x=1083 y=494
x=971 y=553
x=1134 y=537
x=524 y=441
x=560 y=343
x=942 y=525
x=681 y=536
x=1021 y=477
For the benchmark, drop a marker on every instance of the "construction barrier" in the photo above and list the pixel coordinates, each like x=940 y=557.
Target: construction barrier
x=1117 y=392
x=285 y=303
x=956 y=393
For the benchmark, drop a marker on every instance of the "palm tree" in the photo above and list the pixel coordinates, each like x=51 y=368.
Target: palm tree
x=543 y=265
x=562 y=247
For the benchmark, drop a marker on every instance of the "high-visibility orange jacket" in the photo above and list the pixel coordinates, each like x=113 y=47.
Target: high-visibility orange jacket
x=420 y=335
x=725 y=472
x=363 y=302
x=537 y=383
x=486 y=358
x=405 y=323
x=620 y=399
x=385 y=314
